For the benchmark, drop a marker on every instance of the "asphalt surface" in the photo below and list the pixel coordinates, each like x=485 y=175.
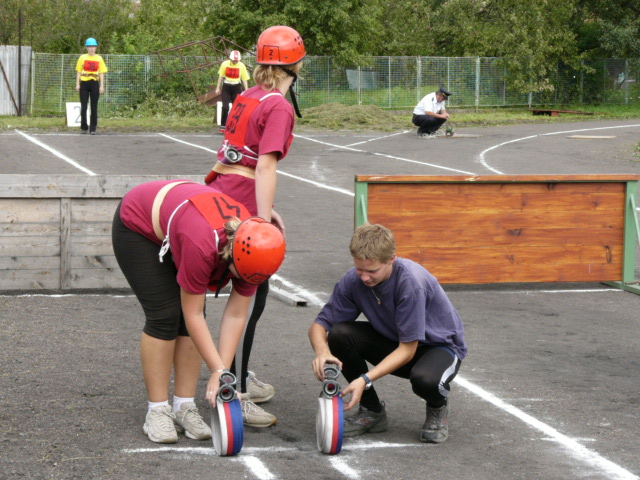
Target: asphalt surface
x=550 y=388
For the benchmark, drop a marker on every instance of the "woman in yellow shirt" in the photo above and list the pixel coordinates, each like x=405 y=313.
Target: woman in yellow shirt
x=90 y=83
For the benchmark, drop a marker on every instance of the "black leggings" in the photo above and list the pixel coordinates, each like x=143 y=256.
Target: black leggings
x=430 y=371
x=89 y=89
x=154 y=283
x=229 y=94
x=244 y=349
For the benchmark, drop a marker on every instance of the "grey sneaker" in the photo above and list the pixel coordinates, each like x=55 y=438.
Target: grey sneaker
x=429 y=135
x=188 y=421
x=260 y=392
x=366 y=421
x=436 y=427
x=254 y=416
x=158 y=425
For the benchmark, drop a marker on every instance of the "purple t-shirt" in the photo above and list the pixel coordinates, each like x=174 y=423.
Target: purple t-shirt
x=195 y=248
x=413 y=307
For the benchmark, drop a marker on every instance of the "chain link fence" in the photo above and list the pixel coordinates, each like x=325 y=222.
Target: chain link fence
x=387 y=82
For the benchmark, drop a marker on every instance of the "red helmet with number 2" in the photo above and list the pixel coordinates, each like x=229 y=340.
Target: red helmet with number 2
x=258 y=250
x=280 y=45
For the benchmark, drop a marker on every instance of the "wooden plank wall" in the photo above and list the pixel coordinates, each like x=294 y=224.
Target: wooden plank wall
x=507 y=230
x=55 y=232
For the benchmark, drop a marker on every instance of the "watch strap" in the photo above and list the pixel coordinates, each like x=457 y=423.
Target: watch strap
x=367 y=381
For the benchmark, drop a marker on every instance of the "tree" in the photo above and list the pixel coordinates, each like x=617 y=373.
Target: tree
x=345 y=29
x=531 y=37
x=62 y=26
x=609 y=29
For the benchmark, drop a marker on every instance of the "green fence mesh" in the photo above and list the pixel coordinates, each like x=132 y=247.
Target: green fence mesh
x=387 y=82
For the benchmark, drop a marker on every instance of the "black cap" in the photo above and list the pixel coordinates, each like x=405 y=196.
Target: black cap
x=444 y=92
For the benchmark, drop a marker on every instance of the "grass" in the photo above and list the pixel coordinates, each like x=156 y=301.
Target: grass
x=164 y=115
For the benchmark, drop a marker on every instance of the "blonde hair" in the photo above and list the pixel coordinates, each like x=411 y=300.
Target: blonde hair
x=230 y=228
x=373 y=242
x=269 y=76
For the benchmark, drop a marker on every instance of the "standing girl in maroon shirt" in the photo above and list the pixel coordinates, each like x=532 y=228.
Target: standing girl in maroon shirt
x=258 y=134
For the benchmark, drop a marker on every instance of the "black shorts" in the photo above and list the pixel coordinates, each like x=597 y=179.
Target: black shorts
x=154 y=283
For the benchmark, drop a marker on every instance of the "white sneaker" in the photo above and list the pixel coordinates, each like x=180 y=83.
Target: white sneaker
x=260 y=392
x=254 y=416
x=189 y=421
x=158 y=425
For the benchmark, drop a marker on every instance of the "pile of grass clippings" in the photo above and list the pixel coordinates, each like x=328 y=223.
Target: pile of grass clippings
x=336 y=116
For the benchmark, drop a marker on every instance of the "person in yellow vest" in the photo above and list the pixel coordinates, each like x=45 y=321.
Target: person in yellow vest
x=232 y=76
x=90 y=83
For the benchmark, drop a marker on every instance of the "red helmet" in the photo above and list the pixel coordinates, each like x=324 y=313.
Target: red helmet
x=280 y=45
x=235 y=55
x=258 y=250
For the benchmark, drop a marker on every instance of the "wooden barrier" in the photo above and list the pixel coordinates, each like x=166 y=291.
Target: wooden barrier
x=55 y=231
x=504 y=229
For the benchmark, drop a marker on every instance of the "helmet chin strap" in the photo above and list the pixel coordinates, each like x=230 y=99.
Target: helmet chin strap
x=292 y=92
x=222 y=279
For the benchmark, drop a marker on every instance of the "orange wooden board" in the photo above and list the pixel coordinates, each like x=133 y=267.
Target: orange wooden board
x=506 y=232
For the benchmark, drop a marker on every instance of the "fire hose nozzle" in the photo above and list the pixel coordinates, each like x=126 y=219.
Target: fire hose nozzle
x=227 y=392
x=330 y=386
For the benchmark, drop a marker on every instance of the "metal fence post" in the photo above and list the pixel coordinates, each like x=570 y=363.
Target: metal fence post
x=626 y=82
x=582 y=83
x=33 y=80
x=329 y=66
x=359 y=85
x=477 y=82
x=418 y=76
x=389 y=81
x=61 y=82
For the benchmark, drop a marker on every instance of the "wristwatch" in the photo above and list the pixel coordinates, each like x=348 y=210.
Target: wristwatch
x=367 y=381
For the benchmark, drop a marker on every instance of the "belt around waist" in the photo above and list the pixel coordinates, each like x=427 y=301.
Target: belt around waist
x=243 y=170
x=157 y=203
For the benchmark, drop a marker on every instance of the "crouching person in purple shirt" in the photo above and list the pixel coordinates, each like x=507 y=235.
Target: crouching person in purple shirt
x=412 y=331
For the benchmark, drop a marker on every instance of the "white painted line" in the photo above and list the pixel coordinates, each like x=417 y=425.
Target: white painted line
x=564 y=132
x=591 y=137
x=56 y=153
x=315 y=300
x=484 y=152
x=339 y=464
x=402 y=159
x=354 y=445
x=366 y=445
x=256 y=467
x=311 y=297
x=379 y=138
x=578 y=451
x=317 y=184
x=62 y=295
x=320 y=185
x=566 y=290
x=215 y=152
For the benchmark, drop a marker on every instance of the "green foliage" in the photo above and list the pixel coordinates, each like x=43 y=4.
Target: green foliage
x=62 y=26
x=165 y=106
x=607 y=28
x=531 y=37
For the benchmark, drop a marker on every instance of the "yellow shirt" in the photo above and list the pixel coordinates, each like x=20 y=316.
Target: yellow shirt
x=233 y=73
x=90 y=67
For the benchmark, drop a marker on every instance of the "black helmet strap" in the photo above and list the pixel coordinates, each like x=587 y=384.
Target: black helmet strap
x=292 y=90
